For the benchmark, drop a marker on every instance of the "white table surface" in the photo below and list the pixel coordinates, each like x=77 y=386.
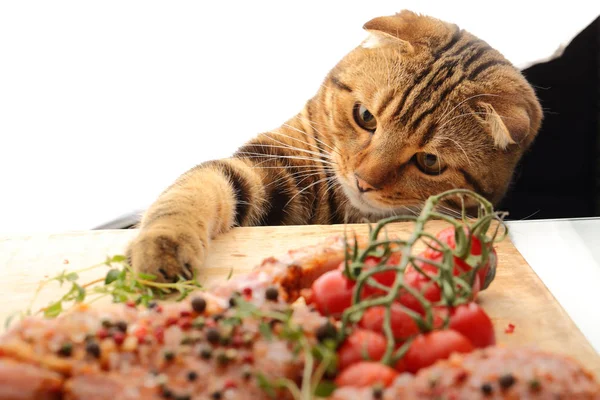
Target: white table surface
x=565 y=254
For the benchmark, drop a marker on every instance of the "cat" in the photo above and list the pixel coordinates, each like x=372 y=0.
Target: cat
x=419 y=107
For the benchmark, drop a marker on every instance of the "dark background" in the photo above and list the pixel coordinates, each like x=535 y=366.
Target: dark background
x=560 y=176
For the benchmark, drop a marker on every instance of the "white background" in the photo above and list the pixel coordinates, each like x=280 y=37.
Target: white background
x=103 y=104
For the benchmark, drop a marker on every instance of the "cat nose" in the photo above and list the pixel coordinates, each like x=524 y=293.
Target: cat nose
x=362 y=185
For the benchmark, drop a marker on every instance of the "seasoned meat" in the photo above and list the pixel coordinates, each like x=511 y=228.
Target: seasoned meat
x=492 y=373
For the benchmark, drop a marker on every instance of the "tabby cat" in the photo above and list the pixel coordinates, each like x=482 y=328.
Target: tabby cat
x=419 y=107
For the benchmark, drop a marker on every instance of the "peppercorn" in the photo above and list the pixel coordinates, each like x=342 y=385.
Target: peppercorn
x=169 y=355
x=213 y=336
x=326 y=331
x=205 y=353
x=122 y=326
x=192 y=376
x=166 y=392
x=272 y=293
x=246 y=372
x=93 y=349
x=106 y=323
x=66 y=350
x=487 y=389
x=232 y=301
x=152 y=304
x=216 y=395
x=217 y=317
x=183 y=397
x=199 y=304
x=506 y=381
x=221 y=357
x=378 y=392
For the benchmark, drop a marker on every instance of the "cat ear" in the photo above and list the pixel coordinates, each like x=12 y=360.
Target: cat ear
x=512 y=127
x=390 y=31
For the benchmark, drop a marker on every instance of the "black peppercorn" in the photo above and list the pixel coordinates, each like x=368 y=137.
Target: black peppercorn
x=213 y=336
x=217 y=317
x=205 y=353
x=192 y=376
x=506 y=381
x=169 y=355
x=378 y=392
x=166 y=392
x=221 y=357
x=183 y=397
x=246 y=373
x=122 y=326
x=199 y=305
x=152 y=304
x=66 y=350
x=272 y=293
x=106 y=323
x=93 y=349
x=487 y=389
x=216 y=395
x=326 y=331
x=232 y=301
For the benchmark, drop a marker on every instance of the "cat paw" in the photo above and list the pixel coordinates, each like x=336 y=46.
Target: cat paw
x=166 y=253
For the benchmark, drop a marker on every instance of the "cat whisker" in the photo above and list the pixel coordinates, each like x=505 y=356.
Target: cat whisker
x=286 y=146
x=308 y=187
x=441 y=119
x=276 y=157
x=460 y=147
x=296 y=175
x=318 y=152
x=314 y=137
x=472 y=113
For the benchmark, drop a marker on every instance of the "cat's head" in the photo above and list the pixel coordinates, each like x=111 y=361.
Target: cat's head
x=421 y=107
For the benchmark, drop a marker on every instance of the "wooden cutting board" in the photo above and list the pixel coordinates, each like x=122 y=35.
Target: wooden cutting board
x=517 y=296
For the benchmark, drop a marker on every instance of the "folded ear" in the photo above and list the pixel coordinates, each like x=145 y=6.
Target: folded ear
x=512 y=127
x=406 y=28
x=390 y=30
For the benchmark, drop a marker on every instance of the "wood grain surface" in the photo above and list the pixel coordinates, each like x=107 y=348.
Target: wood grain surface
x=517 y=296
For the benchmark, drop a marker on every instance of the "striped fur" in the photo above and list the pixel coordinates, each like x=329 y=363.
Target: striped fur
x=432 y=88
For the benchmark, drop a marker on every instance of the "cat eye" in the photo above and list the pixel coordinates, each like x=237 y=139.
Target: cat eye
x=364 y=118
x=429 y=163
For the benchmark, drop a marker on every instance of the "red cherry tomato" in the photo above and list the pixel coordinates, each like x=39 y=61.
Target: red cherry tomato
x=426 y=349
x=332 y=293
x=403 y=326
x=447 y=236
x=366 y=374
x=361 y=345
x=472 y=321
x=386 y=278
x=429 y=289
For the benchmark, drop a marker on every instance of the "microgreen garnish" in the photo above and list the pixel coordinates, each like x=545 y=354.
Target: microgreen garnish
x=121 y=283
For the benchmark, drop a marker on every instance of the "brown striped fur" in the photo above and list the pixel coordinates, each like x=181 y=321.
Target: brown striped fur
x=432 y=88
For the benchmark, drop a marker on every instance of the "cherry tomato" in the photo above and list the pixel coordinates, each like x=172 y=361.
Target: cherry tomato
x=472 y=321
x=403 y=326
x=386 y=278
x=429 y=289
x=366 y=374
x=426 y=349
x=332 y=293
x=361 y=345
x=447 y=236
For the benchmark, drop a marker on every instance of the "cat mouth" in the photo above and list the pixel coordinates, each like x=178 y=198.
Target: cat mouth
x=363 y=203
